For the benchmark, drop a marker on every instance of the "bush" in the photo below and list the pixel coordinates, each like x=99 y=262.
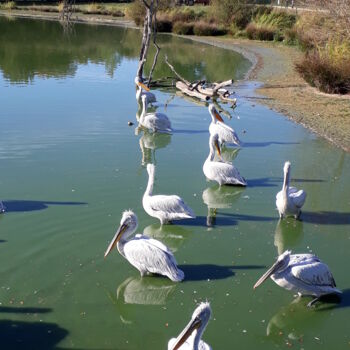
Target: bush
x=328 y=68
x=183 y=28
x=291 y=36
x=255 y=32
x=9 y=5
x=164 y=24
x=206 y=29
x=242 y=16
x=275 y=19
x=136 y=11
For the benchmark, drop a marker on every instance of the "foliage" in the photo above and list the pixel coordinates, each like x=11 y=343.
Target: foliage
x=275 y=19
x=207 y=29
x=255 y=32
x=136 y=11
x=164 y=24
x=9 y=5
x=183 y=28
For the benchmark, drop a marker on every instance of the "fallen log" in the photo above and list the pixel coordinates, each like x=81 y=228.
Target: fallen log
x=193 y=93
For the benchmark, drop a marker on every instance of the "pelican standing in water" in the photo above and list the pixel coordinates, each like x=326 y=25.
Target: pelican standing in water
x=146 y=254
x=166 y=208
x=190 y=337
x=154 y=121
x=302 y=273
x=289 y=200
x=217 y=126
x=219 y=171
x=151 y=98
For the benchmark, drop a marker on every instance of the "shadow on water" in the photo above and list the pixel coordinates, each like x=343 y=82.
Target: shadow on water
x=3 y=241
x=179 y=131
x=27 y=205
x=202 y=221
x=243 y=217
x=337 y=302
x=24 y=310
x=267 y=143
x=261 y=182
x=326 y=218
x=204 y=272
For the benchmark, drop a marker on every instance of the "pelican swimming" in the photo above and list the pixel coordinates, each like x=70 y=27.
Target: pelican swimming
x=2 y=207
x=190 y=337
x=217 y=126
x=164 y=207
x=302 y=273
x=289 y=200
x=151 y=98
x=219 y=171
x=154 y=121
x=146 y=254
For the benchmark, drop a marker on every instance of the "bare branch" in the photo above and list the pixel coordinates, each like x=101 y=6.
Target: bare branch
x=176 y=73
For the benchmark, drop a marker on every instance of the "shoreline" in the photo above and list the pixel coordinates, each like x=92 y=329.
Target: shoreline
x=273 y=65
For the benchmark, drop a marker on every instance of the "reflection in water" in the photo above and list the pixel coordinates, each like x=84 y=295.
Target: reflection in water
x=288 y=234
x=293 y=322
x=229 y=154
x=149 y=142
x=219 y=197
x=172 y=236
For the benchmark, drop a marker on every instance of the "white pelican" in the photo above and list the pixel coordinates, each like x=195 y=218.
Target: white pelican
x=190 y=337
x=289 y=200
x=219 y=171
x=302 y=273
x=146 y=254
x=217 y=126
x=2 y=207
x=154 y=121
x=164 y=207
x=151 y=98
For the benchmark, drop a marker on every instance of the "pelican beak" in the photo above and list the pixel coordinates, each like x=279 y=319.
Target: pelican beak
x=268 y=273
x=217 y=147
x=193 y=325
x=143 y=86
x=116 y=238
x=218 y=116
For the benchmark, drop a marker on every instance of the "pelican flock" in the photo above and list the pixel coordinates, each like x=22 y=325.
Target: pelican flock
x=146 y=254
x=190 y=337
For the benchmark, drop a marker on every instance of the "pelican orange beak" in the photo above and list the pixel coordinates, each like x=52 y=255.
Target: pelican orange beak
x=189 y=329
x=218 y=116
x=143 y=86
x=116 y=238
x=275 y=267
x=217 y=147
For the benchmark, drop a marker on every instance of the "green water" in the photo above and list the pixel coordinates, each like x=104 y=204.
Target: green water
x=70 y=164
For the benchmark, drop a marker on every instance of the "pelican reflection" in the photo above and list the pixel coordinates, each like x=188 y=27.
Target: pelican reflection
x=219 y=197
x=288 y=234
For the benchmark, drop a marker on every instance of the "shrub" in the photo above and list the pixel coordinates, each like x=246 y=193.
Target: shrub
x=242 y=16
x=206 y=29
x=291 y=36
x=95 y=8
x=136 y=11
x=275 y=19
x=183 y=28
x=255 y=32
x=164 y=24
x=9 y=5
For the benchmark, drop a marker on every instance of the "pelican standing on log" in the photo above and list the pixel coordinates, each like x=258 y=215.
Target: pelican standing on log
x=166 y=208
x=190 y=337
x=219 y=171
x=151 y=98
x=302 y=273
x=146 y=254
x=289 y=200
x=217 y=126
x=154 y=121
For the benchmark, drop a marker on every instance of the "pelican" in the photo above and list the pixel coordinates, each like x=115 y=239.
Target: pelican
x=219 y=171
x=190 y=337
x=154 y=121
x=217 y=126
x=302 y=273
x=151 y=98
x=2 y=207
x=289 y=200
x=163 y=207
x=146 y=254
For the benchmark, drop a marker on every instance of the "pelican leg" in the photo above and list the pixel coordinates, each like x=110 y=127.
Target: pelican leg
x=313 y=302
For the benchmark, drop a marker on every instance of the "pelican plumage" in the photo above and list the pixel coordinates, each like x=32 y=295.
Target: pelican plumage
x=190 y=337
x=151 y=98
x=217 y=126
x=289 y=200
x=166 y=208
x=219 y=171
x=146 y=254
x=154 y=121
x=2 y=207
x=302 y=273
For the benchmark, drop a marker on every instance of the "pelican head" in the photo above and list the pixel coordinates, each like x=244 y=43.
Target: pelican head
x=199 y=321
x=280 y=265
x=214 y=113
x=138 y=82
x=286 y=167
x=128 y=225
x=214 y=142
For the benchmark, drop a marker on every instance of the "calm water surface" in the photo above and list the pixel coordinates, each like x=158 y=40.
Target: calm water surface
x=70 y=164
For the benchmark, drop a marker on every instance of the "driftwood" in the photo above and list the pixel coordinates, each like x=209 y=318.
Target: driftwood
x=193 y=93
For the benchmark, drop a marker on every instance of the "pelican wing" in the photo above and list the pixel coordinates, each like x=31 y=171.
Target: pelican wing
x=298 y=197
x=227 y=134
x=315 y=273
x=148 y=254
x=173 y=205
x=157 y=121
x=226 y=172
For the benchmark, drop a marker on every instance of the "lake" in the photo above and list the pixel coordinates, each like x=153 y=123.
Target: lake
x=70 y=165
